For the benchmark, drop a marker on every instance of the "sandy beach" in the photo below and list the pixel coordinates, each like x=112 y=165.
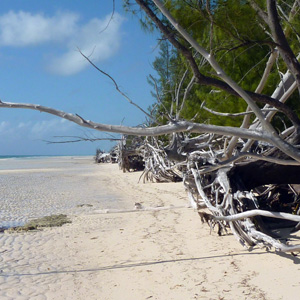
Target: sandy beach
x=165 y=253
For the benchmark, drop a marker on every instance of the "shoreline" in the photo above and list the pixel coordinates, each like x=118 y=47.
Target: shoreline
x=41 y=156
x=138 y=254
x=34 y=188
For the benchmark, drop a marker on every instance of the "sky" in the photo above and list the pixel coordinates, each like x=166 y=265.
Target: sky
x=40 y=63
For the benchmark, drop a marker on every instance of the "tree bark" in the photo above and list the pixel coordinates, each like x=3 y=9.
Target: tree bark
x=258 y=173
x=283 y=46
x=201 y=79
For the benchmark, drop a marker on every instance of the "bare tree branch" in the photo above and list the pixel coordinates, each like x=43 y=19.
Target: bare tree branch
x=159 y=98
x=241 y=156
x=180 y=126
x=284 y=146
x=111 y=17
x=179 y=90
x=221 y=114
x=262 y=14
x=259 y=212
x=283 y=46
x=210 y=81
x=76 y=139
x=117 y=87
x=186 y=93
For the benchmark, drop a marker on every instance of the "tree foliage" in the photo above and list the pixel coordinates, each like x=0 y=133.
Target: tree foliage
x=240 y=40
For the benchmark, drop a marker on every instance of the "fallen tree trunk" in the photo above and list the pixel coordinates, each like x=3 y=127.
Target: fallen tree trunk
x=258 y=173
x=245 y=204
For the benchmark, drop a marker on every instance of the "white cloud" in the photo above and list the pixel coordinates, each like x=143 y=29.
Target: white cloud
x=21 y=125
x=36 y=129
x=98 y=45
x=3 y=126
x=42 y=129
x=23 y=29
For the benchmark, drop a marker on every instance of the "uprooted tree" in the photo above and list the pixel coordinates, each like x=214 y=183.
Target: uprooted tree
x=246 y=176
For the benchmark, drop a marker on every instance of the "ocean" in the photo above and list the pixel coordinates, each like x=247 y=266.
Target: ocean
x=36 y=156
x=19 y=156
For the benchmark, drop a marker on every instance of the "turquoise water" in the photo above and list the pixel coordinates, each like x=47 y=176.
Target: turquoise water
x=37 y=156
x=33 y=187
x=22 y=156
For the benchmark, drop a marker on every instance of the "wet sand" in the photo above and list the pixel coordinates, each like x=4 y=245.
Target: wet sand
x=137 y=254
x=36 y=187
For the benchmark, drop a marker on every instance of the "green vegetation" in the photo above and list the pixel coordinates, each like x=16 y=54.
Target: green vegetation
x=239 y=40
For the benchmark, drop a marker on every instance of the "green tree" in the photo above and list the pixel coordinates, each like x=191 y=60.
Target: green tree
x=237 y=37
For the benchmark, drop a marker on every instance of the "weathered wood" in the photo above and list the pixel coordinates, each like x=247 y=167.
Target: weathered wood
x=258 y=173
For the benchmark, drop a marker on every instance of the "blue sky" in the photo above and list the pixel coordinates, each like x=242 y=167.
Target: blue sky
x=39 y=63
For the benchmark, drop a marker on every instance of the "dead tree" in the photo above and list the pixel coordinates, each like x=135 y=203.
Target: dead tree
x=246 y=177
x=129 y=154
x=266 y=184
x=158 y=165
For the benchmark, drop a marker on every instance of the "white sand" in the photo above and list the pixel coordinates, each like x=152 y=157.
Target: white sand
x=165 y=254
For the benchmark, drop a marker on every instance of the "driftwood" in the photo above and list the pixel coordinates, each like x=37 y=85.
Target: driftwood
x=128 y=153
x=247 y=179
x=102 y=157
x=137 y=154
x=256 y=212
x=158 y=165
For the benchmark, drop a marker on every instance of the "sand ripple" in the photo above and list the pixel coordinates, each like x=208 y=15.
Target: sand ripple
x=66 y=187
